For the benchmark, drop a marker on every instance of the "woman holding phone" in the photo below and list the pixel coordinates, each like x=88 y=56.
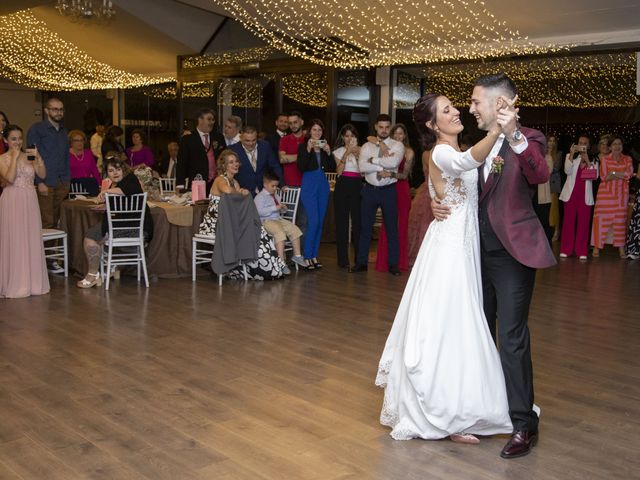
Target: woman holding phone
x=577 y=196
x=314 y=159
x=346 y=195
x=23 y=271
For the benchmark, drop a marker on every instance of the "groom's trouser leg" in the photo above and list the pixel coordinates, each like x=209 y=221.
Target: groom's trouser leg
x=512 y=284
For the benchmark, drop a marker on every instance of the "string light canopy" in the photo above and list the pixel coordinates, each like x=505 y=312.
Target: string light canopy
x=579 y=81
x=33 y=55
x=228 y=57
x=359 y=33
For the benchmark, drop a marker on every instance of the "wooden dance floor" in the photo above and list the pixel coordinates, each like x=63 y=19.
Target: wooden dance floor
x=275 y=381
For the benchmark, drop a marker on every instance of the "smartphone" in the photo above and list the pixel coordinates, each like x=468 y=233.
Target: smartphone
x=30 y=156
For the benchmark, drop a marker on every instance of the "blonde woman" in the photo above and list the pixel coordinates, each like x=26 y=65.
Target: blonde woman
x=268 y=265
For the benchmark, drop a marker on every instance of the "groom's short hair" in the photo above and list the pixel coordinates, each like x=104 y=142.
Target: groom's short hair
x=498 y=81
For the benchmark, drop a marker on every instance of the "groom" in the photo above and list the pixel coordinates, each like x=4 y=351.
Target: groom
x=513 y=246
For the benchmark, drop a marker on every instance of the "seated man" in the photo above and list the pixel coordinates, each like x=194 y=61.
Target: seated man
x=269 y=207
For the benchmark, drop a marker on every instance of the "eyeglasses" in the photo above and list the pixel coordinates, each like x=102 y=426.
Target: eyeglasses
x=55 y=109
x=77 y=139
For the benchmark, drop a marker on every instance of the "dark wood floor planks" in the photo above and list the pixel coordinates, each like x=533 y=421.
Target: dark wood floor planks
x=275 y=381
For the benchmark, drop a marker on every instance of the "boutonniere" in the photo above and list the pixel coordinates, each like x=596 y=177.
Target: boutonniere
x=498 y=162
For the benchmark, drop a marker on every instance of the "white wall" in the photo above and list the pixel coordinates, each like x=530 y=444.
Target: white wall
x=22 y=105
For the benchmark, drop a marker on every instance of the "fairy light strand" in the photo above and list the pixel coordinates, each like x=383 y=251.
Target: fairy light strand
x=34 y=56
x=355 y=33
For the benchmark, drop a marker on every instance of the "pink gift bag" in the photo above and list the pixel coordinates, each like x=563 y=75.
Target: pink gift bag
x=198 y=189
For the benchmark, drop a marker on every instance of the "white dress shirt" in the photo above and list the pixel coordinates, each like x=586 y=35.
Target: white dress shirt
x=370 y=163
x=205 y=137
x=171 y=168
x=488 y=163
x=252 y=152
x=232 y=141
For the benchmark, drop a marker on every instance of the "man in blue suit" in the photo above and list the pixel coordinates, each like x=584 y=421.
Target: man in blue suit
x=256 y=156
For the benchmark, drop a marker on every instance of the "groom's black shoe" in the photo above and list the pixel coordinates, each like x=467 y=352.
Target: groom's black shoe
x=520 y=444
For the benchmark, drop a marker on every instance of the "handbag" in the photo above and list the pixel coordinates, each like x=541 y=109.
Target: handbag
x=589 y=173
x=555 y=182
x=198 y=188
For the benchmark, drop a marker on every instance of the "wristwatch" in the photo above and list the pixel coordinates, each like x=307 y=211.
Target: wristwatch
x=516 y=137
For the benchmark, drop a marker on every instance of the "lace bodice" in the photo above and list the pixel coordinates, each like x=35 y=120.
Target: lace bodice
x=460 y=174
x=25 y=175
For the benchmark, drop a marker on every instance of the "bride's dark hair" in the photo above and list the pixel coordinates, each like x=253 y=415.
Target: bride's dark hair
x=424 y=111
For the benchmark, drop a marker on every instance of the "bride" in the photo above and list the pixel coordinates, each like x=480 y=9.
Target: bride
x=440 y=369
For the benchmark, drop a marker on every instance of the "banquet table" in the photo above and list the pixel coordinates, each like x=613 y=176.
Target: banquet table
x=168 y=253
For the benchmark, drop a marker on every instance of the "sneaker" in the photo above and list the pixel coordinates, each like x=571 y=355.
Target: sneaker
x=54 y=267
x=583 y=257
x=286 y=271
x=631 y=256
x=563 y=255
x=299 y=260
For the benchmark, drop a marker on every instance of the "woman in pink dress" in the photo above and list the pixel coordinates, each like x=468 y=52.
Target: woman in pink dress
x=83 y=165
x=610 y=215
x=421 y=215
x=399 y=133
x=23 y=270
x=139 y=154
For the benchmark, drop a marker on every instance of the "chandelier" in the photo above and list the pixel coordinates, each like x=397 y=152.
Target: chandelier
x=101 y=10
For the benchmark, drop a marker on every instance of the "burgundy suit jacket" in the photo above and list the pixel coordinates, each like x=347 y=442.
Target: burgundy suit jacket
x=508 y=198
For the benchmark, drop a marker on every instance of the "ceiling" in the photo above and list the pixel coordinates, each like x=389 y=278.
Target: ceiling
x=145 y=36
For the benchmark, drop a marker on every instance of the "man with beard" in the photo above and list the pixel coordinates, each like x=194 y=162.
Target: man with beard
x=513 y=245
x=288 y=153
x=379 y=163
x=50 y=138
x=282 y=126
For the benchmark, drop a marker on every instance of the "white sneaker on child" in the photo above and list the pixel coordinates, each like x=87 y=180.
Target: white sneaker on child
x=286 y=271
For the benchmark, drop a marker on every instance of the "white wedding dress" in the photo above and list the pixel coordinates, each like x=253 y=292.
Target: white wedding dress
x=440 y=368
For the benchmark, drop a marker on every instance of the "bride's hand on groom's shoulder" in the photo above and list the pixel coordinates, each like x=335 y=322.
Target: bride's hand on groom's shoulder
x=440 y=212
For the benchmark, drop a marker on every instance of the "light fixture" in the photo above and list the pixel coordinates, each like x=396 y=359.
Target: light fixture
x=100 y=10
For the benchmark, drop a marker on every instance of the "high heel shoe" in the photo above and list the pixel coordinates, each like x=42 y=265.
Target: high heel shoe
x=316 y=263
x=90 y=280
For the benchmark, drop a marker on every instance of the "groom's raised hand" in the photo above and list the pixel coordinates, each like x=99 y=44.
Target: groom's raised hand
x=507 y=115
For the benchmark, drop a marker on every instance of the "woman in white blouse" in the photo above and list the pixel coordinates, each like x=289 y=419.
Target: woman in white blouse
x=346 y=196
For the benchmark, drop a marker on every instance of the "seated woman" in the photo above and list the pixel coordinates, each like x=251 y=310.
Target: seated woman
x=82 y=163
x=268 y=265
x=123 y=182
